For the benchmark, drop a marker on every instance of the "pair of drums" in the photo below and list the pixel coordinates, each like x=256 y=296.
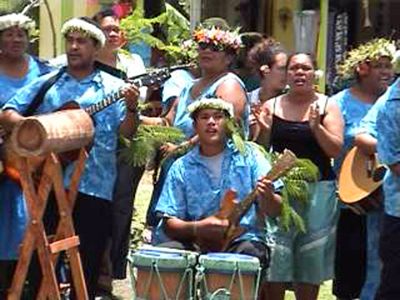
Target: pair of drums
x=162 y=273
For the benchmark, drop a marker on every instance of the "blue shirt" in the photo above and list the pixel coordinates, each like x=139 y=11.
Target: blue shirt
x=191 y=193
x=368 y=123
x=100 y=170
x=388 y=129
x=13 y=210
x=352 y=110
x=174 y=86
x=182 y=118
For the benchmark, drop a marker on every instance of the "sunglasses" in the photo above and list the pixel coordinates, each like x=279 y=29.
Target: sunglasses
x=211 y=46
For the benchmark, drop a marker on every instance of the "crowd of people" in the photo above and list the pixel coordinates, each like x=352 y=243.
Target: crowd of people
x=286 y=111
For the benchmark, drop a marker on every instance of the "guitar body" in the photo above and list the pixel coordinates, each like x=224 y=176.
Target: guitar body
x=360 y=176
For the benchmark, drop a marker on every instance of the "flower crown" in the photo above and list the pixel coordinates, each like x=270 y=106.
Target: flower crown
x=20 y=20
x=210 y=103
x=223 y=39
x=85 y=27
x=372 y=51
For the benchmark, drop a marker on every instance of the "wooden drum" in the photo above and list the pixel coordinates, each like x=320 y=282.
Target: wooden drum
x=228 y=276
x=162 y=273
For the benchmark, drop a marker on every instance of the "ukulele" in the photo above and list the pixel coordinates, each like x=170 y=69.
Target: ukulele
x=233 y=211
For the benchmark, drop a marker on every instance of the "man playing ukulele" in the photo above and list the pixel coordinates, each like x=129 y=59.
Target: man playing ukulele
x=195 y=186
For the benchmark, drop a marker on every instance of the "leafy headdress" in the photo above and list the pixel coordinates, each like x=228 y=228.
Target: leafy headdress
x=19 y=20
x=86 y=26
x=370 y=51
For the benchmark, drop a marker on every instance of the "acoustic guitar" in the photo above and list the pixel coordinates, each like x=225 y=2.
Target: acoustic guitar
x=233 y=211
x=360 y=177
x=8 y=155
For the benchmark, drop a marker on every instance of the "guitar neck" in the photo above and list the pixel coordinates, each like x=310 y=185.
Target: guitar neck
x=111 y=99
x=154 y=78
x=283 y=165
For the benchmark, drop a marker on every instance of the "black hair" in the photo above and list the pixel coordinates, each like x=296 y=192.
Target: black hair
x=195 y=114
x=98 y=17
x=310 y=56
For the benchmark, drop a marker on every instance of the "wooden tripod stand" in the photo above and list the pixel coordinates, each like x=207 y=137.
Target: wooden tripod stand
x=35 y=237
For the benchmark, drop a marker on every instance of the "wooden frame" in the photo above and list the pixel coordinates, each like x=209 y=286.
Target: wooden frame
x=35 y=238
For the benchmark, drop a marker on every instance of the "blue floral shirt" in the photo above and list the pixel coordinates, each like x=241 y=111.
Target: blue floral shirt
x=352 y=110
x=182 y=118
x=191 y=193
x=368 y=123
x=388 y=128
x=100 y=170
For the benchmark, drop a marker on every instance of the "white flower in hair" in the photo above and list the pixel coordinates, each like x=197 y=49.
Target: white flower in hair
x=211 y=103
x=20 y=20
x=85 y=27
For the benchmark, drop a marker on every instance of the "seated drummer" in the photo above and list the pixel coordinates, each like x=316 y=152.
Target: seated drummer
x=196 y=184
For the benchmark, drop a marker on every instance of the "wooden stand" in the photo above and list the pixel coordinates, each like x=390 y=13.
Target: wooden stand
x=35 y=237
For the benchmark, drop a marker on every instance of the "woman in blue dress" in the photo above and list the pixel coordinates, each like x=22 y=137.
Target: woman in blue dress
x=17 y=69
x=357 y=265
x=216 y=50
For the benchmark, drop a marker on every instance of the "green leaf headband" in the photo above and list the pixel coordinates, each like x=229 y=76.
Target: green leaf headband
x=210 y=103
x=373 y=50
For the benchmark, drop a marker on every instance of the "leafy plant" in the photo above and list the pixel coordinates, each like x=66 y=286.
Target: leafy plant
x=177 y=28
x=148 y=139
x=295 y=192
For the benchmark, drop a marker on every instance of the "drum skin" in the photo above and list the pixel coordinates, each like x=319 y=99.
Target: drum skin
x=236 y=275
x=164 y=273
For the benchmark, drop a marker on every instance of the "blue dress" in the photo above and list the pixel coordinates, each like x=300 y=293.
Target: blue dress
x=356 y=115
x=13 y=211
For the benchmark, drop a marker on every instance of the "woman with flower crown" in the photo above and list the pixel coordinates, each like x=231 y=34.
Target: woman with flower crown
x=357 y=265
x=17 y=69
x=216 y=50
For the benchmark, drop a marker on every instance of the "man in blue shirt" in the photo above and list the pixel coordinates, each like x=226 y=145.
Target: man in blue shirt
x=197 y=182
x=388 y=146
x=85 y=84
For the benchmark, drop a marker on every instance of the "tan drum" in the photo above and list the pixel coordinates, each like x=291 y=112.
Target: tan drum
x=163 y=273
x=228 y=276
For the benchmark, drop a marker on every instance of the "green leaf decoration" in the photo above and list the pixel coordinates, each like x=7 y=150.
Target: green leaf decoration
x=235 y=132
x=371 y=50
x=148 y=139
x=139 y=29
x=295 y=192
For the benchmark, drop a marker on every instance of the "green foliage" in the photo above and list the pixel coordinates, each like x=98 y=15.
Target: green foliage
x=235 y=132
x=295 y=192
x=142 y=147
x=139 y=29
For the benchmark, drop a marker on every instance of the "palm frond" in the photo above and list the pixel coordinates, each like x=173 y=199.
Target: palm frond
x=142 y=147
